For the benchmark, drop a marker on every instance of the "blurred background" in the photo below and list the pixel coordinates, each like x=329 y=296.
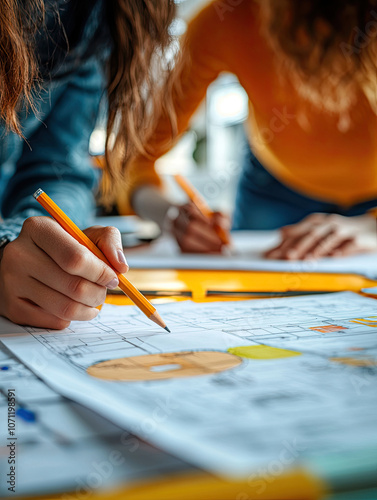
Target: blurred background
x=210 y=153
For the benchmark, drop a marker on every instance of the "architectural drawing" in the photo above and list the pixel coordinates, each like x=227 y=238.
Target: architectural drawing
x=293 y=378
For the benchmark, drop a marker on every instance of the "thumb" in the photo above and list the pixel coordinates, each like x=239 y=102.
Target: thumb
x=109 y=241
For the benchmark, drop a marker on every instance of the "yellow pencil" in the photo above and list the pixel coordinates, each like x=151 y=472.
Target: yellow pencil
x=201 y=205
x=126 y=286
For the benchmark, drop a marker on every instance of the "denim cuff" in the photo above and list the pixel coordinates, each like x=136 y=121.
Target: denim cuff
x=10 y=228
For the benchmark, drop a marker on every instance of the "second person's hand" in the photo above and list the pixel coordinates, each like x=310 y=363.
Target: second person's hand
x=196 y=233
x=326 y=235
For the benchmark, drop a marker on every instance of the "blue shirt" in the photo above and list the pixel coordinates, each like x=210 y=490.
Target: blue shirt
x=55 y=154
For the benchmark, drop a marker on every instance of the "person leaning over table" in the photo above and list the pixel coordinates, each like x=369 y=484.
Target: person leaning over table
x=58 y=58
x=309 y=69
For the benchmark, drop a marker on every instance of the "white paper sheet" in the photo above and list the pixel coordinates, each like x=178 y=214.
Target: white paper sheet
x=277 y=410
x=66 y=447
x=246 y=254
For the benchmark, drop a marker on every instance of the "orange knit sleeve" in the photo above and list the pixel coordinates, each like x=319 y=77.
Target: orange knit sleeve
x=202 y=61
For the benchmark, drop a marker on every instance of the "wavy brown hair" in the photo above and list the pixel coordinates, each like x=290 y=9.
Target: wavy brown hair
x=327 y=47
x=138 y=71
x=139 y=75
x=18 y=66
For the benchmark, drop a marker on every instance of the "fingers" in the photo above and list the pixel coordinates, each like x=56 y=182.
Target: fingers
x=300 y=247
x=38 y=265
x=191 y=244
x=315 y=236
x=78 y=289
x=48 y=279
x=345 y=248
x=221 y=224
x=61 y=306
x=320 y=242
x=109 y=241
x=196 y=233
x=221 y=220
x=53 y=302
x=324 y=246
x=190 y=212
x=199 y=238
x=286 y=249
x=24 y=312
x=305 y=224
x=69 y=255
x=308 y=245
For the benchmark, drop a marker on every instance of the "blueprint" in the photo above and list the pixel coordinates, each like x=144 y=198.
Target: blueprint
x=235 y=387
x=62 y=446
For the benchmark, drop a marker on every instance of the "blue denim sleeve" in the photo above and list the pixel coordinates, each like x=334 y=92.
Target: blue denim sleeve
x=56 y=154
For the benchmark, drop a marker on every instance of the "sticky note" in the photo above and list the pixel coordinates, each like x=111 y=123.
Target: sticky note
x=262 y=352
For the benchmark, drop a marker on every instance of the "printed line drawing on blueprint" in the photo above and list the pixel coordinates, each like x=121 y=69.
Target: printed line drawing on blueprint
x=300 y=370
x=100 y=339
x=67 y=439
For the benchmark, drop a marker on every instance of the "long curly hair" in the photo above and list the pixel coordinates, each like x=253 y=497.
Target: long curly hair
x=328 y=48
x=138 y=72
x=18 y=64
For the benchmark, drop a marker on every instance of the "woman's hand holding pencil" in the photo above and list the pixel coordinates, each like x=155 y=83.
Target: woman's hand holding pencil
x=47 y=279
x=54 y=272
x=197 y=228
x=196 y=233
x=108 y=257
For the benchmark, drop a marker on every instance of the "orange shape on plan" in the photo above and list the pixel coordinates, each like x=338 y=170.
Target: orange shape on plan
x=328 y=328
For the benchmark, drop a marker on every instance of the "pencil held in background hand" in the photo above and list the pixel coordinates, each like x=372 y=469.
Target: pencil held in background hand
x=201 y=205
x=126 y=286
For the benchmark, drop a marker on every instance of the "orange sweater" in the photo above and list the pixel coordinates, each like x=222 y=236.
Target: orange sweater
x=317 y=160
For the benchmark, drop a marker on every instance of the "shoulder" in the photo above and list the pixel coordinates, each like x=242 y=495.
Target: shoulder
x=221 y=30
x=223 y=22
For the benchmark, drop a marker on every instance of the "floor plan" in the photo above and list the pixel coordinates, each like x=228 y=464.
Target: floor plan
x=294 y=374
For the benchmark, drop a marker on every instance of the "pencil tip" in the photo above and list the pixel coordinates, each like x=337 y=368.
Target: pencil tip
x=156 y=318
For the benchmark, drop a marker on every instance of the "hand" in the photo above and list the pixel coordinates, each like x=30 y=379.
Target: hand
x=324 y=235
x=48 y=279
x=196 y=233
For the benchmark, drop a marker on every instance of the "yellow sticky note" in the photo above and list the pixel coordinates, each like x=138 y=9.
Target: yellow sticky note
x=262 y=352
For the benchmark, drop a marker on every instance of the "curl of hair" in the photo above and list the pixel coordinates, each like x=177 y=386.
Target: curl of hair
x=18 y=67
x=139 y=85
x=139 y=79
x=326 y=48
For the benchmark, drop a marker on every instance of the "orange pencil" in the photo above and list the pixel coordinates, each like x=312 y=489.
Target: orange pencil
x=201 y=205
x=126 y=286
